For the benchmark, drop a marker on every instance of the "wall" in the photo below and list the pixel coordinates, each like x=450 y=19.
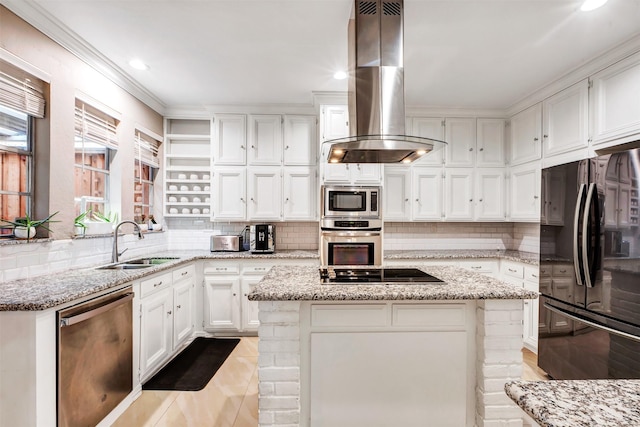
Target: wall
x=68 y=78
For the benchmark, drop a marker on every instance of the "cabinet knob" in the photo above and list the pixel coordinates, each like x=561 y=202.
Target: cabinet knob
x=286 y=147
x=253 y=200
x=406 y=200
x=535 y=197
x=242 y=146
x=470 y=149
x=234 y=294
x=471 y=200
x=169 y=313
x=286 y=200
x=535 y=139
x=178 y=306
x=241 y=199
x=545 y=136
x=253 y=146
x=481 y=149
x=480 y=200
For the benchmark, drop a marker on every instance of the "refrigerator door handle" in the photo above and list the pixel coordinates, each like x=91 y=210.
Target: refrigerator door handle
x=586 y=237
x=591 y=323
x=576 y=244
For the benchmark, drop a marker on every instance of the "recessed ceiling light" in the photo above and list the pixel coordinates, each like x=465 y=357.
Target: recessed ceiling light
x=588 y=5
x=138 y=64
x=340 y=75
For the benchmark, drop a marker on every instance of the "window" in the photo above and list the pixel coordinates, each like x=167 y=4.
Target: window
x=147 y=164
x=21 y=100
x=95 y=140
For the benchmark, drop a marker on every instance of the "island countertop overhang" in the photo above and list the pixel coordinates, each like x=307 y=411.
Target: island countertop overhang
x=296 y=283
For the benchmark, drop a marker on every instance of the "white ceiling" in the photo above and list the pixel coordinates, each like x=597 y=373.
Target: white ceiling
x=458 y=53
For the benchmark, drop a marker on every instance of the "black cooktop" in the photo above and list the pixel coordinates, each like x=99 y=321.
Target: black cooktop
x=376 y=276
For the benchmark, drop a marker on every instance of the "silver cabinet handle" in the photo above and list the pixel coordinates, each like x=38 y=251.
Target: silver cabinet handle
x=155 y=285
x=512 y=270
x=184 y=273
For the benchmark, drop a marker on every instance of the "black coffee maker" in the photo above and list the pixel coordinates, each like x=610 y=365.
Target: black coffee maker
x=263 y=238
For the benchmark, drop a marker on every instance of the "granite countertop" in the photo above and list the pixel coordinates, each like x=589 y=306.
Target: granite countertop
x=579 y=403
x=526 y=257
x=286 y=283
x=43 y=292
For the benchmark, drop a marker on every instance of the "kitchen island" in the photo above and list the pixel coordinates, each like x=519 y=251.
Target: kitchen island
x=362 y=355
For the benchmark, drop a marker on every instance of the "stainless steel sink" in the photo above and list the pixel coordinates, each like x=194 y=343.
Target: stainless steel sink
x=137 y=263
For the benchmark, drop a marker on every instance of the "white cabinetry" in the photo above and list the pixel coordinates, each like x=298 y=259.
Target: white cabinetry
x=264 y=191
x=615 y=106
x=396 y=194
x=427 y=184
x=300 y=193
x=265 y=139
x=230 y=139
x=300 y=140
x=166 y=316
x=490 y=142
x=524 y=276
x=526 y=133
x=524 y=192
x=187 y=167
x=229 y=193
x=565 y=120
x=458 y=183
x=460 y=135
x=428 y=127
x=489 y=194
x=474 y=194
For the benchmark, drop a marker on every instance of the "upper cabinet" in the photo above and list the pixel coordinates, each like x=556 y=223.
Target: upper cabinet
x=428 y=127
x=229 y=139
x=615 y=102
x=300 y=140
x=265 y=139
x=335 y=122
x=526 y=134
x=460 y=135
x=565 y=120
x=490 y=143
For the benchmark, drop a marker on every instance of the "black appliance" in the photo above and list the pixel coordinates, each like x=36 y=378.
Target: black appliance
x=373 y=276
x=589 y=312
x=263 y=238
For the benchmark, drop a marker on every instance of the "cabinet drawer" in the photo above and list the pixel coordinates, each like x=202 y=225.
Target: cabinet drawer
x=545 y=271
x=221 y=268
x=256 y=269
x=349 y=315
x=562 y=270
x=154 y=284
x=513 y=270
x=184 y=272
x=531 y=274
x=436 y=315
x=480 y=266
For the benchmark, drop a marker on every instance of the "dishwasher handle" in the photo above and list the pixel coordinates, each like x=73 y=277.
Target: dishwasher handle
x=81 y=317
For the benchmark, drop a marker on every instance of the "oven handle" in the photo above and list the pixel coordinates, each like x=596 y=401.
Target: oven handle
x=351 y=233
x=72 y=320
x=591 y=323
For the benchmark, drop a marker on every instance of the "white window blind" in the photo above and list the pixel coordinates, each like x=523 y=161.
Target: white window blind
x=21 y=91
x=146 y=149
x=95 y=127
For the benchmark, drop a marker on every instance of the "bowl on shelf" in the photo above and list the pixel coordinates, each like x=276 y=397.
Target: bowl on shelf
x=196 y=188
x=193 y=176
x=195 y=211
x=173 y=210
x=182 y=176
x=197 y=200
x=207 y=188
x=205 y=211
x=184 y=199
x=186 y=211
x=173 y=199
x=206 y=177
x=184 y=188
x=173 y=188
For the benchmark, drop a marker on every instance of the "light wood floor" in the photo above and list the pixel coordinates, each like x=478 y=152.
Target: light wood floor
x=231 y=397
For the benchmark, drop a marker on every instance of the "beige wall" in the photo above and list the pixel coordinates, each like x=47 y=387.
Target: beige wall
x=69 y=75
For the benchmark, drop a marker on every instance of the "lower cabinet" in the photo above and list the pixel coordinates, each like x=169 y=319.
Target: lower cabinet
x=527 y=277
x=166 y=316
x=226 y=286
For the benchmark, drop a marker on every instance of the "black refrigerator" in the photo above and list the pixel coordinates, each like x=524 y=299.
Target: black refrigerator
x=589 y=311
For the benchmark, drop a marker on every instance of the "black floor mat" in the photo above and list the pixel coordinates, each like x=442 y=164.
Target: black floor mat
x=194 y=367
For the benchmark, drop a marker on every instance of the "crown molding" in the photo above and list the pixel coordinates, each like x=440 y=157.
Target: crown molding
x=36 y=16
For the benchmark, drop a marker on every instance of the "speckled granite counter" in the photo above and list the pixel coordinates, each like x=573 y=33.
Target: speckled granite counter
x=527 y=257
x=284 y=283
x=43 y=292
x=588 y=403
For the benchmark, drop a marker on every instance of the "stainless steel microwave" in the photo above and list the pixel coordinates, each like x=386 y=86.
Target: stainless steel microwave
x=351 y=202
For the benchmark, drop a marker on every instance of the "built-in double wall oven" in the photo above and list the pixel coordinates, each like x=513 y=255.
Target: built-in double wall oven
x=350 y=226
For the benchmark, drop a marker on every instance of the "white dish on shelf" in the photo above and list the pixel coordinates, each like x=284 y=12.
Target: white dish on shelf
x=196 y=188
x=173 y=199
x=193 y=176
x=186 y=211
x=173 y=188
x=195 y=211
x=207 y=199
x=184 y=188
x=182 y=176
x=205 y=211
x=207 y=188
x=173 y=210
x=206 y=177
x=197 y=200
x=184 y=199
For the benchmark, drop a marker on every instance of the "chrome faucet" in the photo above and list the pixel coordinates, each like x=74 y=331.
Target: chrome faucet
x=115 y=254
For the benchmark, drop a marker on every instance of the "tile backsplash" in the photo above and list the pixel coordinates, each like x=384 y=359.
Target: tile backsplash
x=23 y=260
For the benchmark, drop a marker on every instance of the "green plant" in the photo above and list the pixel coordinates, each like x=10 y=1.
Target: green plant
x=29 y=223
x=79 y=220
x=110 y=217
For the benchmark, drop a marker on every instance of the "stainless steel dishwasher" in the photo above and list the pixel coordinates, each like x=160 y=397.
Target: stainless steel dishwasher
x=95 y=358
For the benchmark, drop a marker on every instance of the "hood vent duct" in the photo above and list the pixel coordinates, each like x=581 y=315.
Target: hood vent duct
x=376 y=90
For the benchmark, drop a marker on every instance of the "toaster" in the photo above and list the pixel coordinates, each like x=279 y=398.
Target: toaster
x=226 y=243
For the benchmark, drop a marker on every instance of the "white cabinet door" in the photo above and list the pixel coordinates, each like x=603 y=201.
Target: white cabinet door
x=265 y=139
x=230 y=139
x=565 y=120
x=460 y=135
x=300 y=193
x=524 y=192
x=336 y=173
x=366 y=173
x=250 y=319
x=459 y=200
x=229 y=193
x=183 y=310
x=427 y=127
x=525 y=131
x=221 y=308
x=156 y=324
x=490 y=143
x=264 y=191
x=335 y=122
x=427 y=193
x=300 y=136
x=615 y=94
x=490 y=194
x=396 y=193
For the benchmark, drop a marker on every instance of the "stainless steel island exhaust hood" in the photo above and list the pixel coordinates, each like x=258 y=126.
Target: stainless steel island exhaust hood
x=376 y=90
